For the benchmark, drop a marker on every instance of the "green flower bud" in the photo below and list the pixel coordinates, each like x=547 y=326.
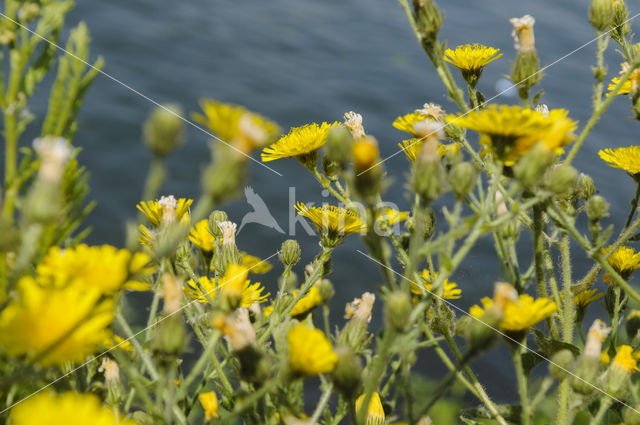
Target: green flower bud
x=531 y=168
x=428 y=20
x=481 y=333
x=443 y=319
x=585 y=187
x=429 y=177
x=601 y=14
x=586 y=372
x=44 y=202
x=632 y=325
x=164 y=129
x=216 y=217
x=290 y=252
x=620 y=23
x=525 y=69
x=347 y=376
x=223 y=179
x=561 y=180
x=397 y=310
x=338 y=147
x=561 y=361
x=462 y=178
x=325 y=289
x=254 y=365
x=170 y=339
x=597 y=208
x=462 y=325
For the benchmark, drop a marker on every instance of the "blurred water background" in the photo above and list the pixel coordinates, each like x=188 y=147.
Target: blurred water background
x=304 y=61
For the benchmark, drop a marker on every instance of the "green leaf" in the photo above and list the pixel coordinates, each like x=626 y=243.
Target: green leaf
x=549 y=346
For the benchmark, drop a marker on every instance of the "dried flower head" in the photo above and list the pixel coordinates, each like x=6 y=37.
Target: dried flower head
x=228 y=230
x=523 y=33
x=158 y=211
x=360 y=308
x=54 y=153
x=353 y=122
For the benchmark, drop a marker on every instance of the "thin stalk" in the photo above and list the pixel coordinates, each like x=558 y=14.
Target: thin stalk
x=146 y=360
x=321 y=404
x=523 y=383
x=605 y=403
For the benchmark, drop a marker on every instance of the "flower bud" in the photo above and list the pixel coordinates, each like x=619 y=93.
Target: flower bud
x=290 y=252
x=428 y=20
x=632 y=325
x=524 y=71
x=325 y=290
x=588 y=365
x=597 y=208
x=347 y=376
x=29 y=11
x=429 y=177
x=601 y=14
x=374 y=414
x=443 y=319
x=561 y=362
x=531 y=168
x=229 y=253
x=585 y=187
x=462 y=178
x=115 y=390
x=397 y=310
x=561 y=180
x=216 y=217
x=164 y=130
x=620 y=23
x=367 y=167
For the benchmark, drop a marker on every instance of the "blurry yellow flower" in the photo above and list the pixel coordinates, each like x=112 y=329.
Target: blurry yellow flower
x=604 y=358
x=105 y=268
x=201 y=236
x=375 y=412
x=407 y=122
x=55 y=325
x=155 y=211
x=304 y=305
x=627 y=158
x=511 y=131
x=628 y=86
x=236 y=125
x=115 y=341
x=624 y=260
x=209 y=401
x=146 y=236
x=332 y=220
x=624 y=89
x=48 y=408
x=518 y=315
x=450 y=290
x=412 y=147
x=585 y=298
x=392 y=216
x=365 y=153
x=255 y=264
x=249 y=292
x=471 y=58
x=310 y=352
x=624 y=359
x=300 y=141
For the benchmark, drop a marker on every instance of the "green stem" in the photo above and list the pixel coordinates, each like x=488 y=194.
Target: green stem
x=522 y=386
x=321 y=404
x=605 y=403
x=538 y=248
x=130 y=336
x=634 y=202
x=201 y=363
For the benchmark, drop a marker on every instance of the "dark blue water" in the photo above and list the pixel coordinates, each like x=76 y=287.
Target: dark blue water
x=304 y=61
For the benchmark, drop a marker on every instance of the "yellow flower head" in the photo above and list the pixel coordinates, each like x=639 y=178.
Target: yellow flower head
x=412 y=147
x=255 y=264
x=104 y=268
x=449 y=291
x=299 y=142
x=629 y=85
x=48 y=408
x=166 y=210
x=331 y=220
x=375 y=412
x=249 y=293
x=305 y=304
x=585 y=298
x=236 y=125
x=202 y=237
x=627 y=158
x=407 y=122
x=518 y=315
x=624 y=89
x=511 y=131
x=209 y=402
x=310 y=352
x=624 y=359
x=42 y=315
x=471 y=59
x=365 y=153
x=392 y=216
x=114 y=341
x=624 y=260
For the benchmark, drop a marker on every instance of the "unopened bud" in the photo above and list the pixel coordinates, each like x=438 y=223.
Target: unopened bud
x=290 y=252
x=561 y=362
x=347 y=376
x=443 y=319
x=620 y=23
x=216 y=217
x=619 y=373
x=530 y=169
x=601 y=14
x=462 y=178
x=561 y=180
x=585 y=187
x=374 y=413
x=338 y=146
x=429 y=176
x=325 y=290
x=164 y=130
x=597 y=208
x=428 y=20
x=397 y=310
x=29 y=11
x=368 y=169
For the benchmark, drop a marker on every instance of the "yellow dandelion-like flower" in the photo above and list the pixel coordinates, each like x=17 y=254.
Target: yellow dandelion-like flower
x=310 y=352
x=624 y=260
x=305 y=304
x=412 y=147
x=392 y=216
x=628 y=86
x=115 y=341
x=300 y=141
x=48 y=408
x=104 y=268
x=154 y=210
x=450 y=290
x=627 y=158
x=209 y=402
x=518 y=315
x=407 y=122
x=202 y=237
x=255 y=264
x=511 y=131
x=585 y=298
x=624 y=89
x=375 y=411
x=624 y=359
x=471 y=59
x=42 y=316
x=250 y=292
x=331 y=220
x=235 y=124
x=146 y=236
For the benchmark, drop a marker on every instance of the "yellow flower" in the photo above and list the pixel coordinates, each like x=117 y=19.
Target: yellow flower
x=331 y=220
x=511 y=131
x=55 y=325
x=604 y=358
x=48 y=408
x=155 y=211
x=255 y=264
x=201 y=236
x=627 y=158
x=235 y=124
x=209 y=403
x=299 y=142
x=375 y=412
x=304 y=305
x=412 y=147
x=105 y=268
x=310 y=352
x=624 y=260
x=471 y=59
x=624 y=359
x=624 y=89
x=392 y=216
x=249 y=292
x=585 y=298
x=450 y=290
x=628 y=86
x=518 y=315
x=115 y=341
x=407 y=122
